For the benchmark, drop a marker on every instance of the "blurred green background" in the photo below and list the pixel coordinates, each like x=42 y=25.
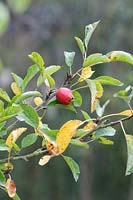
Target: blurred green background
x=49 y=27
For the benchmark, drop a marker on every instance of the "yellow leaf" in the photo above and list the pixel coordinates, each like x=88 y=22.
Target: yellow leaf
x=86 y=73
x=65 y=134
x=44 y=160
x=38 y=101
x=90 y=126
x=93 y=105
x=40 y=122
x=126 y=113
x=99 y=89
x=14 y=135
x=15 y=88
x=37 y=129
x=11 y=188
x=98 y=95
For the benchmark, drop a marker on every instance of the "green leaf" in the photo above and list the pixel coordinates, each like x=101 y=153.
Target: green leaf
x=80 y=45
x=1 y=105
x=27 y=95
x=52 y=69
x=79 y=143
x=108 y=131
x=9 y=113
x=85 y=115
x=4 y=95
x=94 y=59
x=104 y=140
x=37 y=58
x=4 y=18
x=18 y=79
x=16 y=197
x=126 y=94
x=3 y=146
x=89 y=29
x=69 y=57
x=40 y=80
x=57 y=104
x=19 y=7
x=2 y=179
x=2 y=124
x=92 y=86
x=15 y=146
x=100 y=109
x=80 y=133
x=29 y=140
x=3 y=166
x=120 y=56
x=3 y=132
x=29 y=115
x=129 y=141
x=50 y=82
x=77 y=100
x=107 y=80
x=1 y=110
x=74 y=167
x=48 y=133
x=31 y=72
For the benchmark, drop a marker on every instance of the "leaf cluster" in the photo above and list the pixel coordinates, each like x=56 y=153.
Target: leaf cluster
x=30 y=108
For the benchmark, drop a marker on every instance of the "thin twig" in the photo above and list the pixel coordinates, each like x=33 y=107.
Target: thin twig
x=26 y=157
x=117 y=122
x=106 y=125
x=110 y=115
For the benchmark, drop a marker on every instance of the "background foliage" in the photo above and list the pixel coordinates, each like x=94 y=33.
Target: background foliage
x=48 y=27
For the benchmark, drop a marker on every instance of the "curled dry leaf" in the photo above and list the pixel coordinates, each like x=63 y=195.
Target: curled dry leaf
x=11 y=188
x=44 y=160
x=14 y=135
x=65 y=134
x=52 y=148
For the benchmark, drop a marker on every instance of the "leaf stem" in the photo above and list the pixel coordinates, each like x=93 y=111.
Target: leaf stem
x=82 y=87
x=110 y=115
x=123 y=129
x=11 y=125
x=73 y=84
x=90 y=141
